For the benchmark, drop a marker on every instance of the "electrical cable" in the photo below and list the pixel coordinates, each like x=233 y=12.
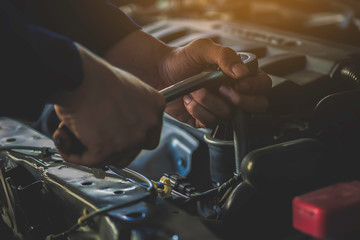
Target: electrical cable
x=150 y=187
x=197 y=196
x=219 y=191
x=91 y=215
x=45 y=151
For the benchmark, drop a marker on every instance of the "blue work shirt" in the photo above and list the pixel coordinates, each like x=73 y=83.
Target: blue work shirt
x=37 y=52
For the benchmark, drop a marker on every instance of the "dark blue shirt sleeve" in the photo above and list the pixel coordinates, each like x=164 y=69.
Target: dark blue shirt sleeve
x=34 y=63
x=37 y=56
x=96 y=24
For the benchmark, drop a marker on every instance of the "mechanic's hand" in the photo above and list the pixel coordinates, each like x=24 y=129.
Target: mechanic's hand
x=112 y=113
x=204 y=108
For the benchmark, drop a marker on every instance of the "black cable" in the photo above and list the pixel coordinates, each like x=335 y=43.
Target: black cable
x=218 y=191
x=94 y=214
x=45 y=151
x=197 y=196
x=225 y=195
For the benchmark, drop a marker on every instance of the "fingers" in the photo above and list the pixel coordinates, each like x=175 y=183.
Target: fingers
x=213 y=103
x=248 y=93
x=205 y=51
x=203 y=117
x=259 y=84
x=61 y=139
x=69 y=147
x=66 y=141
x=251 y=103
x=230 y=63
x=206 y=107
x=73 y=150
x=209 y=109
x=202 y=52
x=70 y=152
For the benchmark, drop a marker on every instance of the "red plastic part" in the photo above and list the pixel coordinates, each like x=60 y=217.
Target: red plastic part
x=328 y=212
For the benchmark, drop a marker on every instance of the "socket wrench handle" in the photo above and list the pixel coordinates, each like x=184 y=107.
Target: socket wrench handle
x=209 y=78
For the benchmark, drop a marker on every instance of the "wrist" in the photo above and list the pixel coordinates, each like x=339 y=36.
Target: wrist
x=164 y=67
x=142 y=55
x=94 y=69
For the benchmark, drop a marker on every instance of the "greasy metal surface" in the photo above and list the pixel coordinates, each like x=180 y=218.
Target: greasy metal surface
x=100 y=192
x=13 y=133
x=174 y=153
x=74 y=188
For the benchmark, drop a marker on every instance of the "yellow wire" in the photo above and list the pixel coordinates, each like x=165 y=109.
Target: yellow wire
x=80 y=220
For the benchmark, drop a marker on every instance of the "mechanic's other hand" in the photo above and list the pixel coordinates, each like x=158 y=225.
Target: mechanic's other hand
x=204 y=108
x=112 y=113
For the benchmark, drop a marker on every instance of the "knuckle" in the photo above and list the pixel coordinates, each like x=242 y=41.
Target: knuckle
x=190 y=107
x=226 y=51
x=203 y=42
x=267 y=82
x=237 y=100
x=193 y=108
x=200 y=95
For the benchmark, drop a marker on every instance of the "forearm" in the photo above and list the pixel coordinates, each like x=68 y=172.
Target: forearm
x=142 y=55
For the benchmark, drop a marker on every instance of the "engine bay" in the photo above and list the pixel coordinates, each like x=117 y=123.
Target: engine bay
x=236 y=181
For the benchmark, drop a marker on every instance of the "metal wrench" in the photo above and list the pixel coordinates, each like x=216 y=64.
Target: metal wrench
x=208 y=78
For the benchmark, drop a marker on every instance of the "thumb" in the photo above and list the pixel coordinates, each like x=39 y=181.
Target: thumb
x=66 y=142
x=204 y=52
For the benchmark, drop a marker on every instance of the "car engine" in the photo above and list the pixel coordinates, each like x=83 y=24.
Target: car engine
x=236 y=181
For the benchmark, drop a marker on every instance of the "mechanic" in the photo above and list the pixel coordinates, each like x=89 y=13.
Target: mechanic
x=96 y=65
